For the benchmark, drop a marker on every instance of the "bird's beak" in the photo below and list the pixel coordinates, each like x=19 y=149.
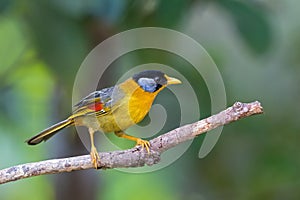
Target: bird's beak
x=172 y=81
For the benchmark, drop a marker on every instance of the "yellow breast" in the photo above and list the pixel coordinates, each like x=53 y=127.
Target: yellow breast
x=139 y=101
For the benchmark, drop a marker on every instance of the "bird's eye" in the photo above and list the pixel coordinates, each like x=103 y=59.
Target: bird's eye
x=156 y=79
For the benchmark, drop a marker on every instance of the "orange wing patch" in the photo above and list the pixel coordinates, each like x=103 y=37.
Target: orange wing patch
x=97 y=106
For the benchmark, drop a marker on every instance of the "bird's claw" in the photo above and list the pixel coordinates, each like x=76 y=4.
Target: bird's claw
x=94 y=157
x=144 y=143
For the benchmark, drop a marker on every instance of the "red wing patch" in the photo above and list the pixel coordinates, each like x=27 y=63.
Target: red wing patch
x=97 y=106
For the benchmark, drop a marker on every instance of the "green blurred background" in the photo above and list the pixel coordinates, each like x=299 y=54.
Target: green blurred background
x=255 y=45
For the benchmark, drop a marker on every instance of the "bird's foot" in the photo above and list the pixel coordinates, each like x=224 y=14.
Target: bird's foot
x=94 y=157
x=144 y=143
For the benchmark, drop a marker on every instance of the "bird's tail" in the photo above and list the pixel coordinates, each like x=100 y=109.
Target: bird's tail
x=49 y=132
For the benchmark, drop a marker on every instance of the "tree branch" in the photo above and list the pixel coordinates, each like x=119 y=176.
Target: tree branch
x=134 y=157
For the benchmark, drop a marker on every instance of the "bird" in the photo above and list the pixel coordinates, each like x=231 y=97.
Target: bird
x=113 y=109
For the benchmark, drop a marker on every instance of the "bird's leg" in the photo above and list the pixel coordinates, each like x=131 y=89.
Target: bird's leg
x=94 y=153
x=139 y=141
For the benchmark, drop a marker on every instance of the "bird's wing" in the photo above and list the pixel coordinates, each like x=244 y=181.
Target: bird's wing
x=100 y=102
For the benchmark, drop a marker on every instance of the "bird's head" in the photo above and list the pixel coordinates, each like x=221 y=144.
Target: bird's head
x=152 y=80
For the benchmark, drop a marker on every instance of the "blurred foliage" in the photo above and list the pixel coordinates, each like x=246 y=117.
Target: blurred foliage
x=252 y=23
x=255 y=45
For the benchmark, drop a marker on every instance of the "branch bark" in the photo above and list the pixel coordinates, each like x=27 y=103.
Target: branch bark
x=135 y=157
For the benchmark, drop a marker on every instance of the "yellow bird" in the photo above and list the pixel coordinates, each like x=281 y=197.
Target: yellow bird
x=114 y=109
